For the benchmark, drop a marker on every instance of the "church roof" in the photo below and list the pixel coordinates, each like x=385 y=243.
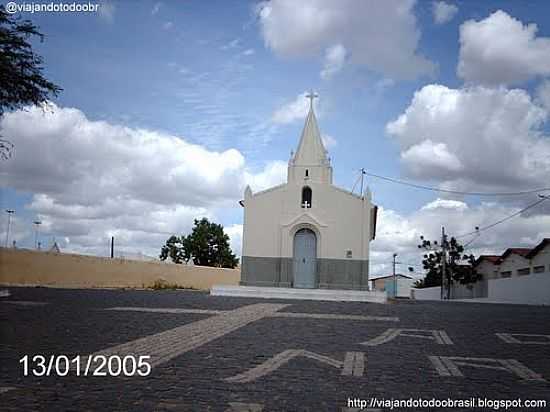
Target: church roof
x=311 y=150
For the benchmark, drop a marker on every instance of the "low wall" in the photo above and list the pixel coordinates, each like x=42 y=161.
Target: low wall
x=26 y=267
x=533 y=289
x=433 y=293
x=469 y=291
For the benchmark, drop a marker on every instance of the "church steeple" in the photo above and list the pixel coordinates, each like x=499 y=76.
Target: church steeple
x=310 y=162
x=311 y=151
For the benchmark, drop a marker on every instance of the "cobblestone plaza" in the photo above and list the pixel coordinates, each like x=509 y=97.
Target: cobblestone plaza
x=234 y=354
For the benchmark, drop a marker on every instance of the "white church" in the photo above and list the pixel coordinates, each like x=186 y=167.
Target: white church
x=307 y=233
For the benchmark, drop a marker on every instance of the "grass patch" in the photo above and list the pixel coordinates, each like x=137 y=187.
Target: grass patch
x=161 y=284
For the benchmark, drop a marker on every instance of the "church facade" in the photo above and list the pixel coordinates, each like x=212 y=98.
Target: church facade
x=307 y=233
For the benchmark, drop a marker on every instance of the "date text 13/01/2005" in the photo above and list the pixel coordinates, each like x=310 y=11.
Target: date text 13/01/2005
x=94 y=365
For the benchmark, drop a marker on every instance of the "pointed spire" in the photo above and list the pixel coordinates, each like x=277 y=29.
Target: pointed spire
x=311 y=150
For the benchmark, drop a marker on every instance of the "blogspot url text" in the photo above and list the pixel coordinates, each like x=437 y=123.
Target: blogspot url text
x=420 y=403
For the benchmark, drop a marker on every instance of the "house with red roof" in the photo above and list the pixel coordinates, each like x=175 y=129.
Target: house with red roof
x=515 y=261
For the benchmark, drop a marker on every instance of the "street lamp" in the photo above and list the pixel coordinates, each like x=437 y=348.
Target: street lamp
x=9 y=212
x=36 y=224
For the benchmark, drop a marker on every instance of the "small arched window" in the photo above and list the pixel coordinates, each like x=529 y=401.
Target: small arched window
x=306 y=197
x=307 y=173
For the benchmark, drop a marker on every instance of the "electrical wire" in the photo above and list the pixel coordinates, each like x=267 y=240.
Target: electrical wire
x=498 y=222
x=456 y=192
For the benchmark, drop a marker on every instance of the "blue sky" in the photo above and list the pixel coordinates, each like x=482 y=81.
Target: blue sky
x=228 y=77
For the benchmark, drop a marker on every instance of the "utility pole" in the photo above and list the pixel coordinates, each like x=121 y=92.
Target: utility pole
x=394 y=278
x=36 y=224
x=362 y=175
x=443 y=263
x=9 y=212
x=112 y=247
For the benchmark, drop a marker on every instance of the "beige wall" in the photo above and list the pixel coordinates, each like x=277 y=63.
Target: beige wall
x=26 y=267
x=379 y=284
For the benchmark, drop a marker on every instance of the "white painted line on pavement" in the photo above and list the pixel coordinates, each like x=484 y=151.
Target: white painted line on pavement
x=448 y=366
x=439 y=336
x=438 y=365
x=334 y=316
x=444 y=339
x=511 y=338
x=245 y=407
x=521 y=370
x=353 y=365
x=25 y=303
x=162 y=347
x=165 y=310
x=274 y=315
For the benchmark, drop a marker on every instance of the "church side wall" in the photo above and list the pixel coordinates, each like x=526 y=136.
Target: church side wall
x=261 y=263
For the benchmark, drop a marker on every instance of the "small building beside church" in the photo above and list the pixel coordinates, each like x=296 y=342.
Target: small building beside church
x=384 y=283
x=307 y=232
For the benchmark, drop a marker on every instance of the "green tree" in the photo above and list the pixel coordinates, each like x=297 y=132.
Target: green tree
x=459 y=267
x=206 y=245
x=21 y=80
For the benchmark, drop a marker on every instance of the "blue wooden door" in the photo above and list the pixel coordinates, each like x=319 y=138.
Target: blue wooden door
x=305 y=253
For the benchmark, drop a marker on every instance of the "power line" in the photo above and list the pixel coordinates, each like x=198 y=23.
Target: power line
x=456 y=192
x=498 y=222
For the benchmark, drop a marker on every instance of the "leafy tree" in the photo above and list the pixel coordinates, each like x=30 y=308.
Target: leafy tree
x=458 y=266
x=21 y=80
x=419 y=284
x=206 y=245
x=173 y=249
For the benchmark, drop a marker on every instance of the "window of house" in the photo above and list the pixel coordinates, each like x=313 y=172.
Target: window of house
x=349 y=254
x=307 y=173
x=506 y=274
x=538 y=269
x=524 y=271
x=306 y=197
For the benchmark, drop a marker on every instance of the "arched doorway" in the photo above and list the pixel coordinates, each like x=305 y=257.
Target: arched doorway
x=305 y=254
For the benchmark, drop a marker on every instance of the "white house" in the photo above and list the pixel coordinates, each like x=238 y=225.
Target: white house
x=488 y=266
x=515 y=262
x=307 y=233
x=400 y=286
x=519 y=275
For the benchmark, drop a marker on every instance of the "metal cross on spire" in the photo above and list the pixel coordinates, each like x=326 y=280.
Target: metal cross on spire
x=311 y=95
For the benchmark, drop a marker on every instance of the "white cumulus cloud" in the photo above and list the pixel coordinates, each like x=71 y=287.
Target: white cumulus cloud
x=382 y=36
x=90 y=180
x=400 y=233
x=543 y=94
x=335 y=58
x=474 y=138
x=502 y=50
x=443 y=12
x=296 y=109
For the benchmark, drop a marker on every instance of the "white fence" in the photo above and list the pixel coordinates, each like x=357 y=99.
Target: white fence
x=533 y=289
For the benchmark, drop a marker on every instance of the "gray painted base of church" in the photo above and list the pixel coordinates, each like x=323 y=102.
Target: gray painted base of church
x=330 y=273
